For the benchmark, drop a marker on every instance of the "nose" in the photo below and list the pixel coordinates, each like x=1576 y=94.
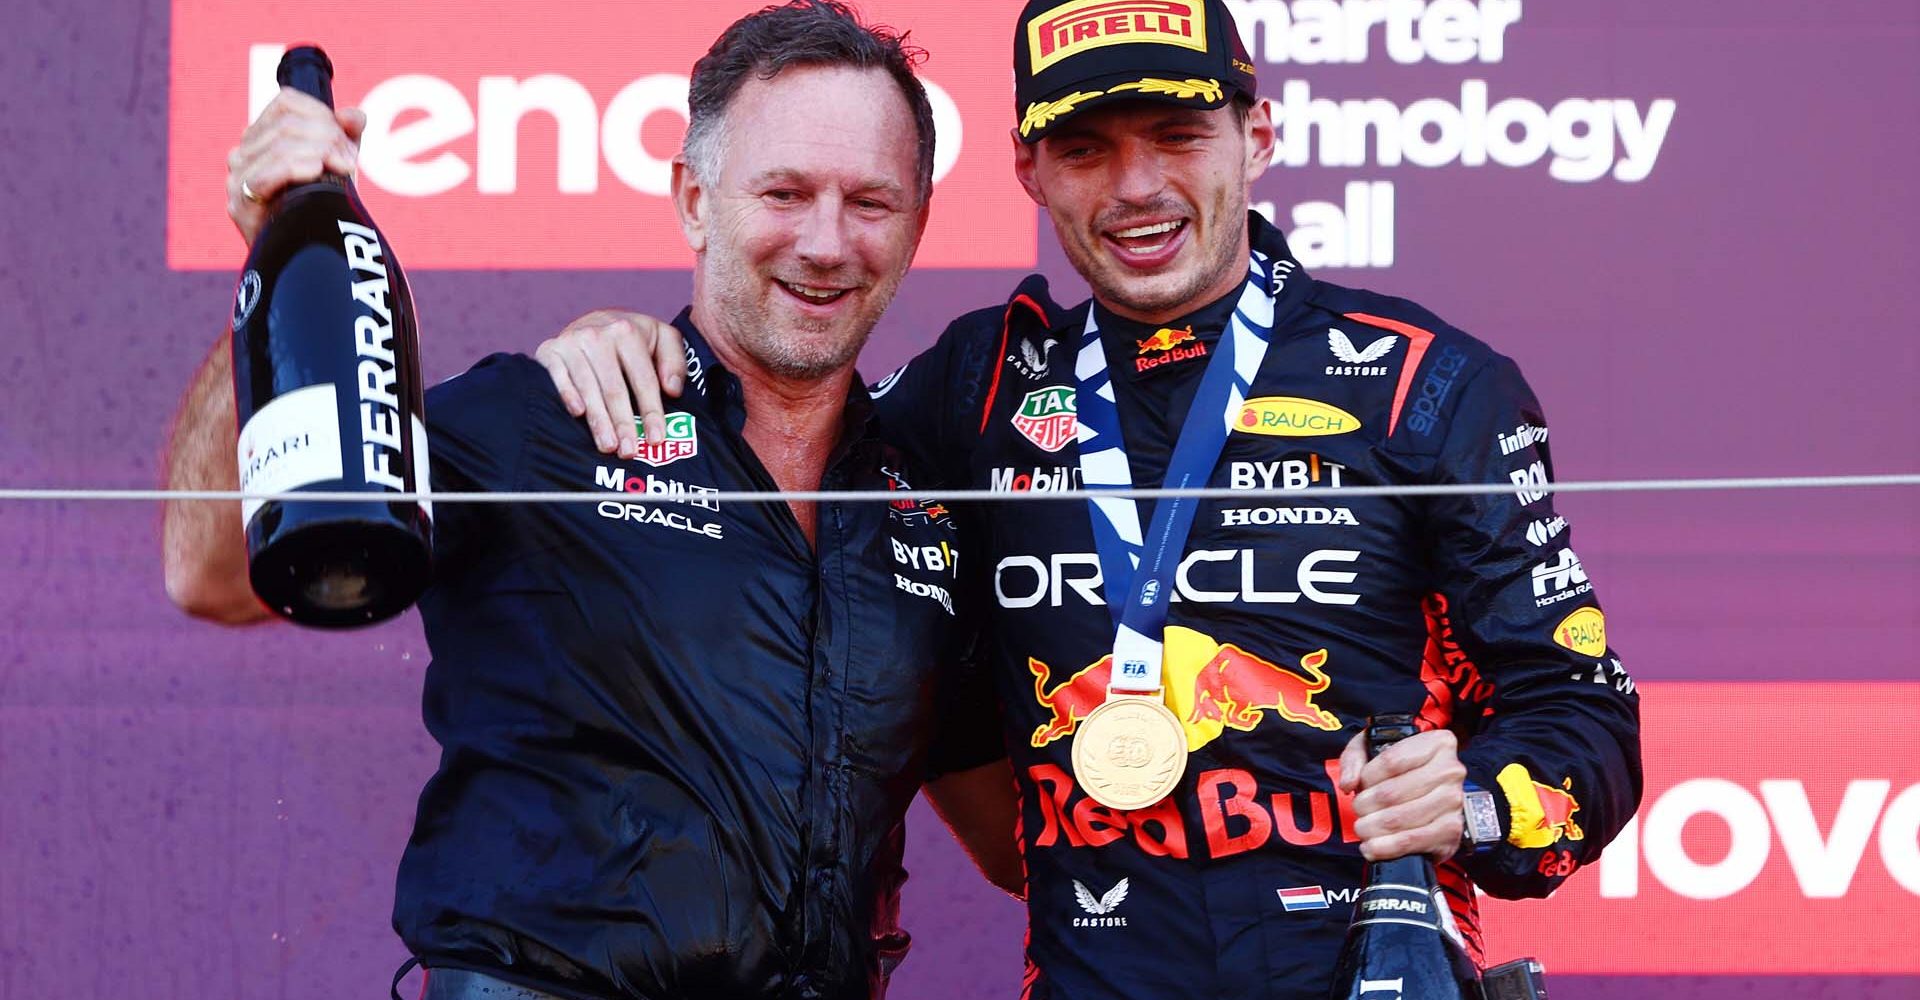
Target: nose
x=1136 y=176
x=822 y=241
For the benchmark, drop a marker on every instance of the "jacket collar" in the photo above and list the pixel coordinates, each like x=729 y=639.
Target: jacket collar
x=719 y=389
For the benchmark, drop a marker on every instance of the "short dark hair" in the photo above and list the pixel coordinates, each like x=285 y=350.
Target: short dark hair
x=799 y=33
x=1242 y=109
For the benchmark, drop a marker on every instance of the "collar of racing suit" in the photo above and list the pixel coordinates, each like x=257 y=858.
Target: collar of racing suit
x=1124 y=337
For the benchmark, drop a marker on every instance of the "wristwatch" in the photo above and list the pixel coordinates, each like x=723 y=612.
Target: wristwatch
x=1481 y=829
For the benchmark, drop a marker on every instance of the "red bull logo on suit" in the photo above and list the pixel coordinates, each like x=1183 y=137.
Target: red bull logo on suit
x=1210 y=686
x=1542 y=814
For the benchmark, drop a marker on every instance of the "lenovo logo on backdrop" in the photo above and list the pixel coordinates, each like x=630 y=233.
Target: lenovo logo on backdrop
x=545 y=141
x=1803 y=859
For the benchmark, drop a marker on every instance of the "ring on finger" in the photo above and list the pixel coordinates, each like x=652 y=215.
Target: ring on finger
x=247 y=192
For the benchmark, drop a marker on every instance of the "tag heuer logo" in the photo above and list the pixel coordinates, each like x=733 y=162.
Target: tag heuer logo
x=1047 y=417
x=680 y=441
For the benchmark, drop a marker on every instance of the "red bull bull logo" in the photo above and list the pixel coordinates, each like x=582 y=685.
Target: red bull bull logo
x=1166 y=339
x=1239 y=688
x=1072 y=700
x=1210 y=686
x=1164 y=348
x=1542 y=814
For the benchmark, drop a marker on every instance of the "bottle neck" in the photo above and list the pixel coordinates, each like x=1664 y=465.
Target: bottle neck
x=1414 y=870
x=332 y=184
x=308 y=70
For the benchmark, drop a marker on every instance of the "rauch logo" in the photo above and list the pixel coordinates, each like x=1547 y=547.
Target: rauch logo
x=547 y=143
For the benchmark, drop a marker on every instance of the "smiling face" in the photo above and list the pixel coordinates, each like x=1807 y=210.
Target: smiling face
x=1149 y=200
x=805 y=234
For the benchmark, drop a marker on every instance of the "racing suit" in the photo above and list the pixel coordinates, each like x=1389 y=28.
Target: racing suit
x=678 y=741
x=1295 y=619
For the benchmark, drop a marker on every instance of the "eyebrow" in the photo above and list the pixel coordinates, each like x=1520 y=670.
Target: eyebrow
x=787 y=175
x=1174 y=118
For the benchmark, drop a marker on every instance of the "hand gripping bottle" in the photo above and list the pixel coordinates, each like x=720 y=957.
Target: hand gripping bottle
x=1402 y=944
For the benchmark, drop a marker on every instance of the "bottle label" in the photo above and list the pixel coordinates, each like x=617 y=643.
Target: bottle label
x=1398 y=903
x=291 y=442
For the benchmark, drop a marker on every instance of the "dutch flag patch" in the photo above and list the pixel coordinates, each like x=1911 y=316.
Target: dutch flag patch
x=1304 y=897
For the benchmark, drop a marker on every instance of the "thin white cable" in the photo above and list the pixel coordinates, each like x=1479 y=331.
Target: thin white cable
x=856 y=496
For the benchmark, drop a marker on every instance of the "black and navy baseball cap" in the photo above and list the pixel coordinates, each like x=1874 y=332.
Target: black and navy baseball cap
x=1071 y=55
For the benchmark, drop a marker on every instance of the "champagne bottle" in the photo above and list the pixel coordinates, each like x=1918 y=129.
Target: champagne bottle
x=1402 y=944
x=329 y=399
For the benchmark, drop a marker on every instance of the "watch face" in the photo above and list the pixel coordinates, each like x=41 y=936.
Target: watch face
x=1482 y=819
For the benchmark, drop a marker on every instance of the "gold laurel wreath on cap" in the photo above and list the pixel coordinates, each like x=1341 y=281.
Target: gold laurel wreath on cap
x=1040 y=114
x=1184 y=89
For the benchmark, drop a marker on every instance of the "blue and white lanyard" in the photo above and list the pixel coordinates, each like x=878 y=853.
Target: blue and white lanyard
x=1140 y=619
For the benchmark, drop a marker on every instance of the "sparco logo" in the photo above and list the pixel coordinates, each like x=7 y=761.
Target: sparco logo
x=549 y=145
x=1435 y=389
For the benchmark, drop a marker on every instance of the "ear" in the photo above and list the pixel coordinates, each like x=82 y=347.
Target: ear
x=689 y=194
x=1260 y=137
x=1025 y=156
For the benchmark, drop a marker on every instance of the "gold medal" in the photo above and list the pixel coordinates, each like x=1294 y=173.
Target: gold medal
x=1129 y=752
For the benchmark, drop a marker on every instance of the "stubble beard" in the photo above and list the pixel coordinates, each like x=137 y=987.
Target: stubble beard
x=800 y=348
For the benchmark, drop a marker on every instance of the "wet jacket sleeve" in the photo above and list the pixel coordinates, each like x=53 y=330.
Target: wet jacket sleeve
x=967 y=730
x=1550 y=715
x=476 y=426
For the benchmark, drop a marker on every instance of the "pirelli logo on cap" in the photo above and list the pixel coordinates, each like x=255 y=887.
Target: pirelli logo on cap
x=1079 y=25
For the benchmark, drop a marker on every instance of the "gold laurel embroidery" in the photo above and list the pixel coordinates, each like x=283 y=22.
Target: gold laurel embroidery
x=1183 y=89
x=1042 y=112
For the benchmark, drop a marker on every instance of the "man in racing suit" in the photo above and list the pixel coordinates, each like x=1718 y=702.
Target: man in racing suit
x=1295 y=619
x=1290 y=619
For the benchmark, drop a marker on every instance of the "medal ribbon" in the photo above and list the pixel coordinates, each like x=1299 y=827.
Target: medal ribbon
x=1140 y=618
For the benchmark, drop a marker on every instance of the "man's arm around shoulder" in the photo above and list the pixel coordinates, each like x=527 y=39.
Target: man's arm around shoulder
x=981 y=807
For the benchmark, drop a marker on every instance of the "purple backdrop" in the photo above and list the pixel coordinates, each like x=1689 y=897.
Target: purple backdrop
x=217 y=814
